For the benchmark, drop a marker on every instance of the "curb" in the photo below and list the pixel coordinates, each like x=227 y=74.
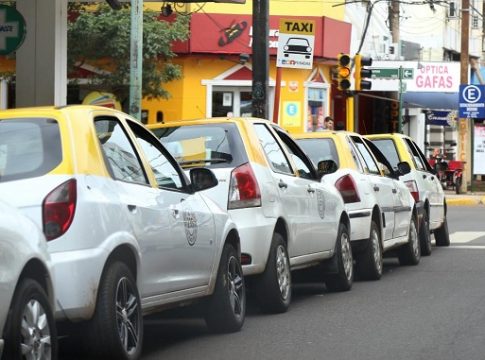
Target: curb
x=465 y=201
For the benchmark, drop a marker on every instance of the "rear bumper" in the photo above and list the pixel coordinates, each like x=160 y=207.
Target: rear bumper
x=360 y=224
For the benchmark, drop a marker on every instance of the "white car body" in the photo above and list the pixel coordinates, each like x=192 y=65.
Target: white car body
x=23 y=254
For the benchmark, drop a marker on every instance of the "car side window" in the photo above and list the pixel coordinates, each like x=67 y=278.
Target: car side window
x=165 y=172
x=303 y=164
x=369 y=161
x=120 y=155
x=272 y=149
x=425 y=162
x=355 y=157
x=415 y=155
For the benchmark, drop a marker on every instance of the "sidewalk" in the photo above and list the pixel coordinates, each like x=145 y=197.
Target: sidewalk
x=468 y=199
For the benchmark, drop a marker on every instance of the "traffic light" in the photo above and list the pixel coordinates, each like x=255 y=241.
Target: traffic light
x=361 y=72
x=343 y=72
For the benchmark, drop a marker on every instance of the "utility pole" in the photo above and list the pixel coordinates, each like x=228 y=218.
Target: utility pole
x=260 y=58
x=394 y=24
x=463 y=131
x=136 y=58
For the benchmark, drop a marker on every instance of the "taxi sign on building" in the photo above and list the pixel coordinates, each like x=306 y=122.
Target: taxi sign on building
x=12 y=29
x=296 y=43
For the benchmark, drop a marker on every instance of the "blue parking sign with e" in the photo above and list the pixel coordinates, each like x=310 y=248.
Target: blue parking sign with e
x=472 y=101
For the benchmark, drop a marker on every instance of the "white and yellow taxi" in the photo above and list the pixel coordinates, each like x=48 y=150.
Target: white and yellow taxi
x=287 y=218
x=127 y=232
x=381 y=209
x=422 y=182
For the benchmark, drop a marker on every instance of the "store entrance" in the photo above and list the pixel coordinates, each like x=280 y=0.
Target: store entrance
x=231 y=101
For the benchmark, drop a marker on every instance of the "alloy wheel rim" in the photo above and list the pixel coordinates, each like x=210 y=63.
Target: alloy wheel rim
x=283 y=271
x=414 y=239
x=346 y=255
x=236 y=286
x=376 y=250
x=127 y=315
x=35 y=332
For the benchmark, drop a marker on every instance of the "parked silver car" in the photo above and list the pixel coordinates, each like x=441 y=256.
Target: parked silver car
x=26 y=293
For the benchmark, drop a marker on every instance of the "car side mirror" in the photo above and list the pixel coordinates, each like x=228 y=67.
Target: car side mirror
x=326 y=167
x=202 y=179
x=403 y=168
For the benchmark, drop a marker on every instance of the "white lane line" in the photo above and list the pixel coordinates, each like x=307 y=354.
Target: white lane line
x=463 y=237
x=465 y=247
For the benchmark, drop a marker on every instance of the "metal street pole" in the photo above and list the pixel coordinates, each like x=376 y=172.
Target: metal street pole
x=399 y=116
x=260 y=58
x=136 y=58
x=463 y=123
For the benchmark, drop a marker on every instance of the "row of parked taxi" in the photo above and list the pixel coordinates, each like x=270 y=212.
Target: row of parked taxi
x=113 y=221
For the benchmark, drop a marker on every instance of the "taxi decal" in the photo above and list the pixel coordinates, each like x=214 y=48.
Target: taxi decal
x=191 y=227
x=320 y=203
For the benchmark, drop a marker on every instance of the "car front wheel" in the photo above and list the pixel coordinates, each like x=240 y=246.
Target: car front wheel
x=425 y=236
x=442 y=235
x=343 y=279
x=30 y=329
x=274 y=285
x=227 y=307
x=117 y=326
x=410 y=254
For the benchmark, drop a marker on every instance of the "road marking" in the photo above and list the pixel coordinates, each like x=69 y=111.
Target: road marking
x=462 y=237
x=466 y=247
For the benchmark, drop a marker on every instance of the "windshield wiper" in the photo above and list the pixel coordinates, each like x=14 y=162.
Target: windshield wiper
x=210 y=161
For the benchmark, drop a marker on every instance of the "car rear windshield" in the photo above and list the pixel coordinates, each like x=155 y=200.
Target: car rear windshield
x=208 y=145
x=319 y=149
x=29 y=147
x=388 y=148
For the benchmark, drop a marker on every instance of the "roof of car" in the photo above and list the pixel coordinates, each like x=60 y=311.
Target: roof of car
x=386 y=136
x=204 y=121
x=324 y=134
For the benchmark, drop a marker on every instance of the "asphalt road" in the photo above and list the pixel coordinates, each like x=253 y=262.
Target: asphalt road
x=435 y=310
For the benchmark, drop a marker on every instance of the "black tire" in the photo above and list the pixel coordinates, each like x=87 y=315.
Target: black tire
x=410 y=254
x=344 y=278
x=227 y=306
x=369 y=263
x=273 y=287
x=116 y=330
x=30 y=297
x=425 y=236
x=441 y=234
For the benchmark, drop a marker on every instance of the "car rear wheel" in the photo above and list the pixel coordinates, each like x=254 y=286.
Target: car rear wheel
x=441 y=235
x=343 y=279
x=117 y=326
x=369 y=263
x=425 y=236
x=227 y=307
x=410 y=254
x=30 y=329
x=274 y=285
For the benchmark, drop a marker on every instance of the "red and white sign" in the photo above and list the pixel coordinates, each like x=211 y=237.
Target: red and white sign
x=428 y=76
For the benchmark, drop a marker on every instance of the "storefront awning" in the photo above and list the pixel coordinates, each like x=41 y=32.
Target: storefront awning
x=430 y=100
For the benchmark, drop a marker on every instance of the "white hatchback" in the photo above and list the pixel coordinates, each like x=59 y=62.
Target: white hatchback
x=27 y=327
x=288 y=219
x=382 y=212
x=127 y=232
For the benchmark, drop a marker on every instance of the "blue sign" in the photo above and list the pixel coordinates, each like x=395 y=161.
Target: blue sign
x=441 y=117
x=472 y=101
x=291 y=109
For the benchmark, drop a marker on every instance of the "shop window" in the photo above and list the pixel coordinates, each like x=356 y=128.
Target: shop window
x=317 y=107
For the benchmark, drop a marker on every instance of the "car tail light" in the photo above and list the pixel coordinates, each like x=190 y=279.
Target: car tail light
x=243 y=189
x=58 y=209
x=348 y=189
x=413 y=189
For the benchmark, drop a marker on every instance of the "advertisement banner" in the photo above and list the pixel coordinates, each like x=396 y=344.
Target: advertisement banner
x=441 y=118
x=479 y=150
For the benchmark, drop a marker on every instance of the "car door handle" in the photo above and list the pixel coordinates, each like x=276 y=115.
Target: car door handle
x=282 y=184
x=376 y=188
x=131 y=207
x=394 y=191
x=310 y=190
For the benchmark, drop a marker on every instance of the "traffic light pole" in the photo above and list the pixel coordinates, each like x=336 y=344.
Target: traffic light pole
x=260 y=58
x=399 y=117
x=349 y=105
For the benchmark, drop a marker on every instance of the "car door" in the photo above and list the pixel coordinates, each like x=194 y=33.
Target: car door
x=403 y=202
x=324 y=221
x=382 y=186
x=428 y=182
x=154 y=213
x=294 y=194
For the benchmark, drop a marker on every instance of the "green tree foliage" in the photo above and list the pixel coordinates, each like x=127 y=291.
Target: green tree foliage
x=100 y=36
